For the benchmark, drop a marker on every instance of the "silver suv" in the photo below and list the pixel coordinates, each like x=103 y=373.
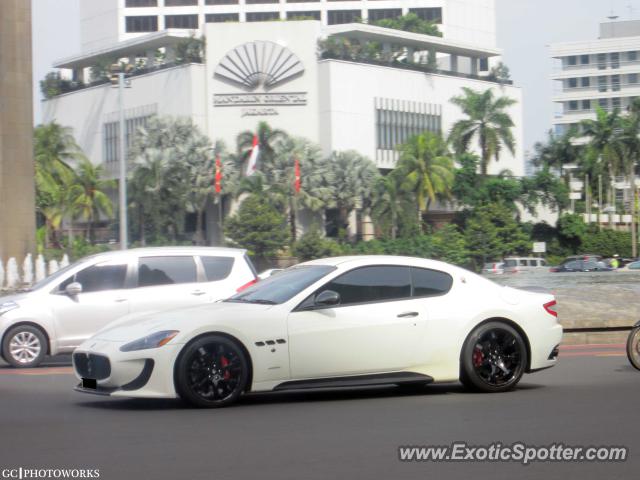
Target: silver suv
x=60 y=312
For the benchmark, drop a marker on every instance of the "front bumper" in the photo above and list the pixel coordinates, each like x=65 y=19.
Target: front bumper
x=144 y=373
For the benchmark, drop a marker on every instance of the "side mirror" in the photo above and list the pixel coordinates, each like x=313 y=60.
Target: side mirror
x=327 y=298
x=74 y=289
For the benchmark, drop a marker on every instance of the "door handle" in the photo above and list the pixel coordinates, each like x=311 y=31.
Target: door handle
x=408 y=314
x=120 y=300
x=198 y=292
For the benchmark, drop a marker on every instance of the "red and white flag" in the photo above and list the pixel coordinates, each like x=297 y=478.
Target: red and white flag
x=296 y=169
x=252 y=164
x=218 y=178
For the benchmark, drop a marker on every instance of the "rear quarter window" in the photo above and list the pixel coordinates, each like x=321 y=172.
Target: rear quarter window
x=217 y=268
x=430 y=283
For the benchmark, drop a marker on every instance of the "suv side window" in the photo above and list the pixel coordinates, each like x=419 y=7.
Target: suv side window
x=574 y=265
x=99 y=277
x=166 y=270
x=217 y=268
x=429 y=283
x=372 y=284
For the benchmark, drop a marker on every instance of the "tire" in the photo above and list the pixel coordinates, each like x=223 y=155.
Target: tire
x=24 y=346
x=211 y=372
x=493 y=358
x=633 y=348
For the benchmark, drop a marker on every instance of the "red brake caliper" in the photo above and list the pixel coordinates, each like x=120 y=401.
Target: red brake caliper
x=478 y=357
x=225 y=363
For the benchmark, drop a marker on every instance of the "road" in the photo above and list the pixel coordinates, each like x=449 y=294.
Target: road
x=590 y=398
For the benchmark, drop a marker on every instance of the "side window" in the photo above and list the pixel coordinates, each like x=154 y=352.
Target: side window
x=96 y=278
x=372 y=284
x=217 y=268
x=522 y=262
x=166 y=270
x=533 y=263
x=428 y=283
x=574 y=264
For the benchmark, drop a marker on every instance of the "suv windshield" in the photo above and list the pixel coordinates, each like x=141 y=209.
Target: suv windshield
x=283 y=286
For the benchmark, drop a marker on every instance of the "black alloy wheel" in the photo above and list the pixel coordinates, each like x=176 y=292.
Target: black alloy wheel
x=211 y=372
x=494 y=358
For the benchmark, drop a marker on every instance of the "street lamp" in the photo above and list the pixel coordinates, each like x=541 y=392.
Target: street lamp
x=118 y=79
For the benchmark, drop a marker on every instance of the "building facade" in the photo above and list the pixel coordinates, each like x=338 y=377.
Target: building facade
x=280 y=72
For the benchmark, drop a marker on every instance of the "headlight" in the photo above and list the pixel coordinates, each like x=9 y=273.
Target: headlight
x=154 y=340
x=7 y=307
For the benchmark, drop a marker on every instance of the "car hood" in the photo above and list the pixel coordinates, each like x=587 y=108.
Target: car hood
x=134 y=326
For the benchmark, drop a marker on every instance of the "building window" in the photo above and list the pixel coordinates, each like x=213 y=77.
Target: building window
x=615 y=60
x=141 y=24
x=586 y=104
x=111 y=134
x=181 y=21
x=573 y=82
x=180 y=3
x=262 y=16
x=430 y=14
x=602 y=84
x=615 y=103
x=573 y=105
x=221 y=17
x=603 y=103
x=632 y=56
x=382 y=13
x=572 y=60
x=221 y=2
x=632 y=79
x=484 y=64
x=584 y=59
x=254 y=2
x=303 y=1
x=344 y=16
x=615 y=83
x=585 y=82
x=303 y=15
x=602 y=61
x=397 y=121
x=141 y=3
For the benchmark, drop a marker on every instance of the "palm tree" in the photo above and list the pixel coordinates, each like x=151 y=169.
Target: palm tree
x=629 y=150
x=87 y=194
x=428 y=167
x=267 y=138
x=486 y=120
x=351 y=178
x=391 y=200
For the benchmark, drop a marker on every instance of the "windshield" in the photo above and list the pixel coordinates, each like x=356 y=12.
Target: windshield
x=60 y=273
x=283 y=286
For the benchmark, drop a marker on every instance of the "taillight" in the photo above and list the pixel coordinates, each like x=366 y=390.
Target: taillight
x=247 y=285
x=553 y=269
x=550 y=307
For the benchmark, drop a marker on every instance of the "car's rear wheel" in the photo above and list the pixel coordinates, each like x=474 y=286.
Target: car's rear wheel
x=633 y=347
x=494 y=358
x=211 y=372
x=24 y=346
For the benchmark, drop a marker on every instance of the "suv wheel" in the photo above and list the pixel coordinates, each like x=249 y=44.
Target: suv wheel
x=24 y=346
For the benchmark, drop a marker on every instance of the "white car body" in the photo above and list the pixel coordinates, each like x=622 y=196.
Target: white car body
x=68 y=320
x=285 y=345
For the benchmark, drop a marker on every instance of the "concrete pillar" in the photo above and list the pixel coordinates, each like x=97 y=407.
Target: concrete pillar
x=475 y=65
x=151 y=58
x=17 y=191
x=78 y=75
x=454 y=63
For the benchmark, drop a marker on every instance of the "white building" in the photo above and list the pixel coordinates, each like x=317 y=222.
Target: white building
x=105 y=22
x=272 y=71
x=601 y=73
x=604 y=72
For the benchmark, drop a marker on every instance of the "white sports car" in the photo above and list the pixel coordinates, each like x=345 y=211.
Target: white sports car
x=347 y=321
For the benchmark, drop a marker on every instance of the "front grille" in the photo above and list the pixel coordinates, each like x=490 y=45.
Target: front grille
x=89 y=365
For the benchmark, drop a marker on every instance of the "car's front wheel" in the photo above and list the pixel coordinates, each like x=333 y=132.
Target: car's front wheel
x=211 y=372
x=633 y=347
x=494 y=358
x=24 y=346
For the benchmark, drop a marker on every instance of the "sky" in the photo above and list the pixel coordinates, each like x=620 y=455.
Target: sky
x=525 y=28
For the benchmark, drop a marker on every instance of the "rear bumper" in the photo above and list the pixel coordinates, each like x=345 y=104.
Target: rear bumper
x=543 y=349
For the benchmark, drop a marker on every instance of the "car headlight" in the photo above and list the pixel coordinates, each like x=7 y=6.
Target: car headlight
x=154 y=340
x=7 y=307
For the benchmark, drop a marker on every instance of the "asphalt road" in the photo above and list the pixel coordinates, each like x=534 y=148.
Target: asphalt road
x=591 y=398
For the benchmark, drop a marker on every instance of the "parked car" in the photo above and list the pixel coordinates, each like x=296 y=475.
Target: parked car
x=633 y=266
x=524 y=264
x=493 y=268
x=324 y=324
x=60 y=312
x=582 y=266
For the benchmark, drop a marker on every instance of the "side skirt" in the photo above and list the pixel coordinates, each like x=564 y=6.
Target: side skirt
x=398 y=378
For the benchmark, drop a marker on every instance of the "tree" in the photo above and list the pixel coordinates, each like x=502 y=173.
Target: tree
x=629 y=152
x=392 y=201
x=258 y=227
x=267 y=138
x=88 y=194
x=487 y=121
x=428 y=166
x=410 y=23
x=314 y=245
x=351 y=178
